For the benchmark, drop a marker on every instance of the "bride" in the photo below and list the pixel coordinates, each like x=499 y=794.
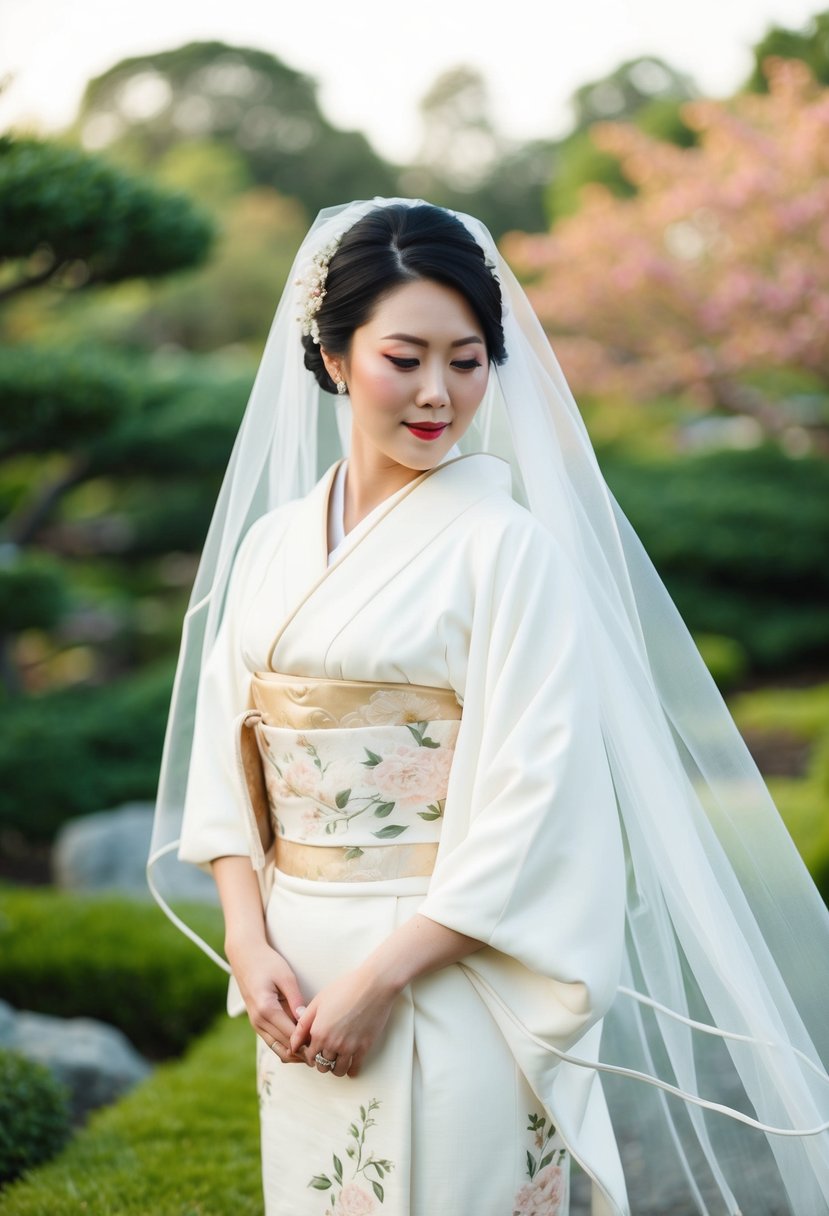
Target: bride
x=497 y=871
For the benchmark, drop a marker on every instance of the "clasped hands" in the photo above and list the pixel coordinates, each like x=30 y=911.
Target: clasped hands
x=341 y=1022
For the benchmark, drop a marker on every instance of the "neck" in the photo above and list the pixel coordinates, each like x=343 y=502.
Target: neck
x=370 y=478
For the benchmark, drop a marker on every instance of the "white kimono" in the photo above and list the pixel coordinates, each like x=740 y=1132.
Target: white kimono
x=461 y=1107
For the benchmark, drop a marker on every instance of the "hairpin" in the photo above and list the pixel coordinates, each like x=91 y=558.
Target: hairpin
x=312 y=289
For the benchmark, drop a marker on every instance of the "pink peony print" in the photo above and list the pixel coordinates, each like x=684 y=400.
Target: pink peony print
x=441 y=766
x=412 y=776
x=543 y=1196
x=277 y=787
x=301 y=777
x=354 y=1201
x=311 y=822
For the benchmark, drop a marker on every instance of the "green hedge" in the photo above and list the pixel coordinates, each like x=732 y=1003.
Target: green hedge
x=110 y=958
x=740 y=539
x=81 y=750
x=183 y=1143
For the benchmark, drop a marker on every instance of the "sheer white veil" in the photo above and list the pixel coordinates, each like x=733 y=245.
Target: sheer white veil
x=723 y=1002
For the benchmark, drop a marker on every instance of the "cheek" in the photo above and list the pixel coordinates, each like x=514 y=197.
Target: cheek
x=472 y=393
x=380 y=385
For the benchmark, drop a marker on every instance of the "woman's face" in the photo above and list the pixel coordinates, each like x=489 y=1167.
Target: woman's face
x=416 y=373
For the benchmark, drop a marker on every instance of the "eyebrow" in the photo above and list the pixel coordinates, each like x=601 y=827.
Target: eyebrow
x=420 y=342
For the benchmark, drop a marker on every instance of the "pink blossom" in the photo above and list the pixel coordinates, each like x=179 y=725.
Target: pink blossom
x=301 y=777
x=724 y=246
x=311 y=821
x=354 y=1201
x=543 y=1196
x=413 y=776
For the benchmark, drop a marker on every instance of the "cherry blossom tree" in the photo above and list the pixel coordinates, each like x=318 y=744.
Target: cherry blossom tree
x=715 y=270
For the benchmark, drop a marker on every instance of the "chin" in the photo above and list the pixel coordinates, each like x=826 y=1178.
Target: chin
x=422 y=461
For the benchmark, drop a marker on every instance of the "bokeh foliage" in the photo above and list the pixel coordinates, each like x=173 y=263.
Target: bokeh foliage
x=111 y=958
x=80 y=221
x=238 y=96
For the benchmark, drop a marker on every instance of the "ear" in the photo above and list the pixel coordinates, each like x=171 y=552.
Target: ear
x=332 y=365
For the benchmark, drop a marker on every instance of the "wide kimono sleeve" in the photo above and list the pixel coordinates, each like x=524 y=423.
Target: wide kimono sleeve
x=531 y=858
x=214 y=821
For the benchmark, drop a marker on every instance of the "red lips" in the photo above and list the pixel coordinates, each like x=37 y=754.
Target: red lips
x=427 y=430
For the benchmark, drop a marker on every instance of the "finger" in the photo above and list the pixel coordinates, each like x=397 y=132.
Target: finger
x=301 y=1033
x=324 y=1055
x=282 y=1050
x=283 y=1022
x=270 y=1008
x=290 y=991
x=276 y=1026
x=342 y=1066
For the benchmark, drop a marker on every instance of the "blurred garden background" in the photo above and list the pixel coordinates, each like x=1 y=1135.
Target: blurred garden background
x=676 y=247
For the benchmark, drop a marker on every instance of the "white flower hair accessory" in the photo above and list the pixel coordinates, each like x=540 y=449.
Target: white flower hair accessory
x=312 y=288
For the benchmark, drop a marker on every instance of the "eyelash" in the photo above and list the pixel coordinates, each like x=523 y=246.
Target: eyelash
x=407 y=365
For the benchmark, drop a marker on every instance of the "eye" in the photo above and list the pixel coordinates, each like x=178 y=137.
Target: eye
x=467 y=365
x=406 y=364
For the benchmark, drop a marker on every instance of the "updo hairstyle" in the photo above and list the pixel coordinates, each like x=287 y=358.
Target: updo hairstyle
x=394 y=245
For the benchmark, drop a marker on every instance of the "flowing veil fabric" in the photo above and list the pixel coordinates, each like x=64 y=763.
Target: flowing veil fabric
x=714 y=1051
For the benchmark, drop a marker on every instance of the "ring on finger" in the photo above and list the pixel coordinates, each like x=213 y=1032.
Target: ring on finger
x=320 y=1059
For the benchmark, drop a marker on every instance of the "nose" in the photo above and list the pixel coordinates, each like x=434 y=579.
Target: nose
x=433 y=390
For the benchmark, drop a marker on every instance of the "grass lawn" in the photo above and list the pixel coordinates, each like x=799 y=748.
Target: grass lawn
x=787 y=730
x=184 y=1143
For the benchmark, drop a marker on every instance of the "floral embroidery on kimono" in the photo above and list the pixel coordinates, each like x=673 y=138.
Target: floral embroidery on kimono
x=352 y=1198
x=546 y=1194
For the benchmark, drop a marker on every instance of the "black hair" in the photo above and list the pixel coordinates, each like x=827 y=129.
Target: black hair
x=394 y=245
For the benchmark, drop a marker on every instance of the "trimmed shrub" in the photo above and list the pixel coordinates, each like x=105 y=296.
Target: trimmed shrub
x=740 y=539
x=110 y=958
x=34 y=1115
x=79 y=750
x=184 y=1141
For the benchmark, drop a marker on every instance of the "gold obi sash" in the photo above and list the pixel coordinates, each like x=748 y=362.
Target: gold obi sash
x=337 y=770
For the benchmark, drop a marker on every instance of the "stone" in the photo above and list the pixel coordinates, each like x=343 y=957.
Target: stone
x=95 y=1061
x=107 y=851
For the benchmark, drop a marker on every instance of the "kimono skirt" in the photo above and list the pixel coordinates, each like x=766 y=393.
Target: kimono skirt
x=440 y=1121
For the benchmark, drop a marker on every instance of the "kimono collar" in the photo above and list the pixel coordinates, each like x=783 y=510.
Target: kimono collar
x=408 y=521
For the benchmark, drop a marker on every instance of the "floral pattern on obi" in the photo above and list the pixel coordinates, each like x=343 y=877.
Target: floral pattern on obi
x=548 y=1168
x=361 y=784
